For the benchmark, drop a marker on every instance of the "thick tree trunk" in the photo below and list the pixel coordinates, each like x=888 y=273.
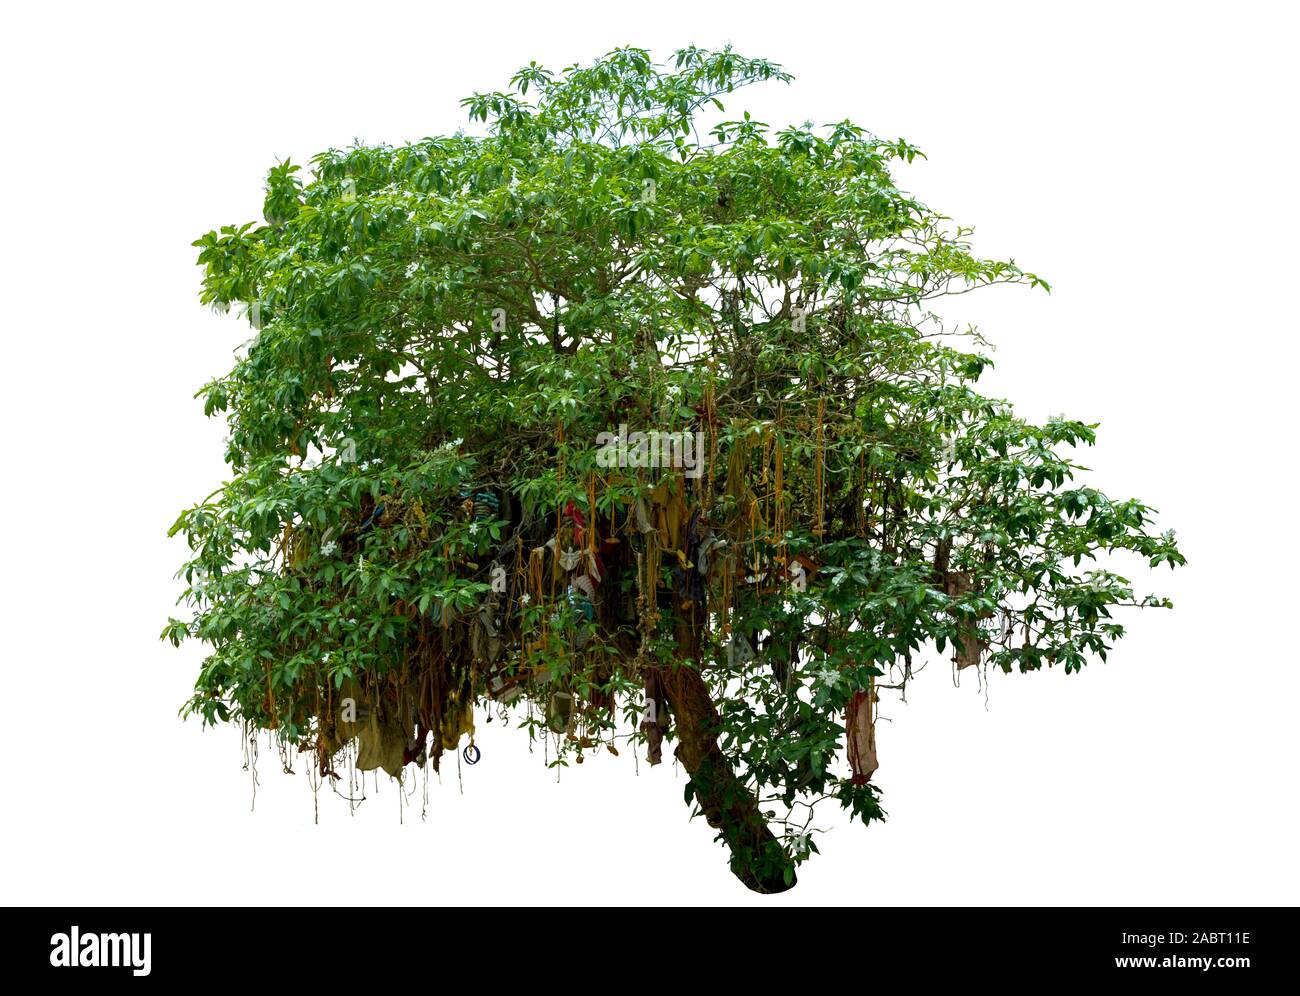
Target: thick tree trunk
x=757 y=858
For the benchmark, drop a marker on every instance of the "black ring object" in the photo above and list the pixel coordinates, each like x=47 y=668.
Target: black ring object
x=471 y=754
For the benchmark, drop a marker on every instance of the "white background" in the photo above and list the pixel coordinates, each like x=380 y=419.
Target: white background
x=1141 y=157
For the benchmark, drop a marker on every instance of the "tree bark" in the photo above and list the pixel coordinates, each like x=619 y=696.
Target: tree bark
x=757 y=857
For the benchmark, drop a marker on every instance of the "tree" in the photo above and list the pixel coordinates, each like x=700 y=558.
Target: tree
x=636 y=433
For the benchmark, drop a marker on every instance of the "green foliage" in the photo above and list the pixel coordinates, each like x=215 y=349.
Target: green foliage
x=471 y=312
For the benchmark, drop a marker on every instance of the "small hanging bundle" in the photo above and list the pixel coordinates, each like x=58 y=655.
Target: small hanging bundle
x=579 y=521
x=537 y=572
x=798 y=578
x=580 y=599
x=382 y=743
x=505 y=688
x=654 y=721
x=642 y=514
x=689 y=574
x=593 y=566
x=585 y=573
x=485 y=633
x=482 y=506
x=584 y=615
x=458 y=710
x=559 y=711
x=860 y=732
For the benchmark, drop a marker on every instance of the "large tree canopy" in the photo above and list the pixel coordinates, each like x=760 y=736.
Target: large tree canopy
x=426 y=514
